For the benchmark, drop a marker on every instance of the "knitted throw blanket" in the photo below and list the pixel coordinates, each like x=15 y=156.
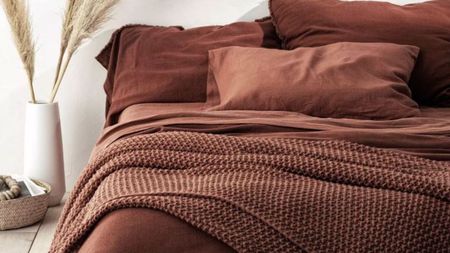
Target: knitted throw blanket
x=269 y=195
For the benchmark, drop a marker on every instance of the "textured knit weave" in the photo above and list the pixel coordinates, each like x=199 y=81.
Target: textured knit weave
x=269 y=195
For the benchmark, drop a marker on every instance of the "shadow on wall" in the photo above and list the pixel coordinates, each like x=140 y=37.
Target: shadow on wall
x=82 y=107
x=82 y=96
x=260 y=11
x=188 y=13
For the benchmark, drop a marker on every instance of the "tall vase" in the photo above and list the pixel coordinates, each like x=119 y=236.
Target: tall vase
x=43 y=157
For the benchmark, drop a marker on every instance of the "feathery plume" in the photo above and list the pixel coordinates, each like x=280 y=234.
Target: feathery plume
x=69 y=17
x=18 y=18
x=89 y=17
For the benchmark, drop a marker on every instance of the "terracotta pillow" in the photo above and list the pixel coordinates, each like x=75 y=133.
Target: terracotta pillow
x=342 y=80
x=311 y=23
x=169 y=64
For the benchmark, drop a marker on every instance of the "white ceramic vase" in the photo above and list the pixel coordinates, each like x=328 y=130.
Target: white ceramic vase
x=43 y=156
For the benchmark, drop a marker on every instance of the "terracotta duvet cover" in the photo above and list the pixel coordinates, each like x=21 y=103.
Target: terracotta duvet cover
x=173 y=178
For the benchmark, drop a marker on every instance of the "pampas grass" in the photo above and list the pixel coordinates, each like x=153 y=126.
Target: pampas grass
x=69 y=17
x=17 y=14
x=82 y=20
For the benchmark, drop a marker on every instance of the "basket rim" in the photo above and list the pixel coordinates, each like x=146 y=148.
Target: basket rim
x=47 y=187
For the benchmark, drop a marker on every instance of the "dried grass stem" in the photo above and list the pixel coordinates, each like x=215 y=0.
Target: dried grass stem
x=82 y=20
x=18 y=17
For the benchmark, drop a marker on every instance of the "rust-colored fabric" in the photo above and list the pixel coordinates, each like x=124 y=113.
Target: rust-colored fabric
x=311 y=23
x=427 y=135
x=269 y=195
x=340 y=80
x=139 y=230
x=170 y=64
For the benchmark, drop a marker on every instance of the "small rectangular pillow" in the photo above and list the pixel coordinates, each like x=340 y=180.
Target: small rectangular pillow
x=148 y=64
x=342 y=80
x=312 y=23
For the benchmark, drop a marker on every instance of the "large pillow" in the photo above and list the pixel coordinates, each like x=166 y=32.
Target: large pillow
x=342 y=80
x=169 y=64
x=310 y=23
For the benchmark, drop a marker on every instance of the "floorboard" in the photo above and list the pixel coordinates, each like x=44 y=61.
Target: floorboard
x=33 y=239
x=16 y=242
x=47 y=229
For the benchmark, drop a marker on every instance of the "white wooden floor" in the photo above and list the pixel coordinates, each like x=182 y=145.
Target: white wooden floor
x=34 y=239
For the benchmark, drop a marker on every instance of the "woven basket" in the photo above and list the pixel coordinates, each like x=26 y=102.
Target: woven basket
x=21 y=212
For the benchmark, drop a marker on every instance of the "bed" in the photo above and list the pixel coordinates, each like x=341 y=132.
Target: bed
x=137 y=229
x=231 y=176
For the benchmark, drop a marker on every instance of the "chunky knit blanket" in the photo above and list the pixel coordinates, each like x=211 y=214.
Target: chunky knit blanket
x=269 y=195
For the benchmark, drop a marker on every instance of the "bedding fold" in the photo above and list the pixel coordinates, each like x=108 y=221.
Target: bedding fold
x=427 y=135
x=268 y=194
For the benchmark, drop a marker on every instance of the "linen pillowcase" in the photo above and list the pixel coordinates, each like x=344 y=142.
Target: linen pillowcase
x=342 y=80
x=149 y=64
x=311 y=23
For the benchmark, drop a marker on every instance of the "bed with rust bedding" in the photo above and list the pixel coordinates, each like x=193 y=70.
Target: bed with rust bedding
x=175 y=178
x=299 y=132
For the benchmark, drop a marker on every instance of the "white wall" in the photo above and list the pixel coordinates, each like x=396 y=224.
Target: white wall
x=81 y=96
